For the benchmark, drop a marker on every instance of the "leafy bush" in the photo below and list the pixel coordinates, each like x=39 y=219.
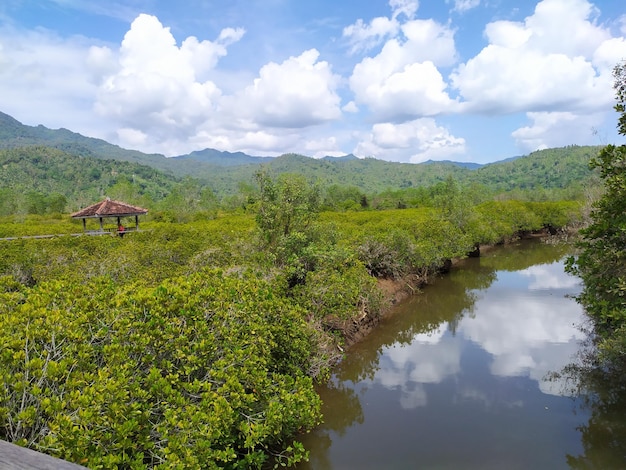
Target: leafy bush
x=202 y=371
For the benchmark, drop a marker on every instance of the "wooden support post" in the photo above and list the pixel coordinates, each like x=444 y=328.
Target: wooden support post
x=137 y=222
x=101 y=226
x=84 y=225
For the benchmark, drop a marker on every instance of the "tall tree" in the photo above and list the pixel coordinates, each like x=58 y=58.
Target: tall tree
x=287 y=206
x=602 y=260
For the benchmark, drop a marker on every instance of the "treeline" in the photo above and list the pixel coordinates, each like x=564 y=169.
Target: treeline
x=601 y=264
x=196 y=345
x=602 y=259
x=44 y=180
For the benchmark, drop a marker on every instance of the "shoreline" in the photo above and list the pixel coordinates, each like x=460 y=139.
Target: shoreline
x=395 y=291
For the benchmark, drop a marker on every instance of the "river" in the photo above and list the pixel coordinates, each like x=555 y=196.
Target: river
x=459 y=376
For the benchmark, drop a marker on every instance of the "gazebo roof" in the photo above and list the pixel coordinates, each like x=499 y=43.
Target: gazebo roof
x=109 y=208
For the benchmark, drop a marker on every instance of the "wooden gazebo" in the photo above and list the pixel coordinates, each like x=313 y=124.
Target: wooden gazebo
x=109 y=209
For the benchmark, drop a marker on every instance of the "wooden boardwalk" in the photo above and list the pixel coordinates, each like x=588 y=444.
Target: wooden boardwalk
x=88 y=233
x=14 y=457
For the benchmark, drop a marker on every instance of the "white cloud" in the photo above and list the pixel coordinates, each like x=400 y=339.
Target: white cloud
x=549 y=276
x=407 y=8
x=350 y=107
x=557 y=129
x=609 y=54
x=322 y=147
x=299 y=92
x=133 y=137
x=399 y=368
x=42 y=76
x=158 y=94
x=545 y=63
x=158 y=88
x=416 y=90
x=414 y=141
x=462 y=6
x=526 y=335
x=364 y=36
x=161 y=95
x=402 y=81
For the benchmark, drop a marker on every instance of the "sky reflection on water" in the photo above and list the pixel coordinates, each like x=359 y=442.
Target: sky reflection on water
x=524 y=321
x=458 y=378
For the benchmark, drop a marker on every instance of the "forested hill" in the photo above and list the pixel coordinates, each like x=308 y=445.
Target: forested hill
x=84 y=167
x=542 y=170
x=14 y=134
x=555 y=168
x=44 y=179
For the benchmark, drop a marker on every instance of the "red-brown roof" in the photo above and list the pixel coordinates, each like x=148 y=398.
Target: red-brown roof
x=109 y=208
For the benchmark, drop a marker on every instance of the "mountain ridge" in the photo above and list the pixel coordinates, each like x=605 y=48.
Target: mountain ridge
x=13 y=134
x=225 y=172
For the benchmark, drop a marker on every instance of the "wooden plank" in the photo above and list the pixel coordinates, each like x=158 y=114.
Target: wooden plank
x=14 y=457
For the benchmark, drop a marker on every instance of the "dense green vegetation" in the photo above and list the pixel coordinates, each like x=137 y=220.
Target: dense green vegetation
x=40 y=180
x=602 y=260
x=196 y=344
x=44 y=180
x=601 y=263
x=41 y=168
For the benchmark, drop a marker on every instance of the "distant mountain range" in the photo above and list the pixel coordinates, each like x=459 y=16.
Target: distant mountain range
x=15 y=134
x=220 y=158
x=224 y=172
x=468 y=165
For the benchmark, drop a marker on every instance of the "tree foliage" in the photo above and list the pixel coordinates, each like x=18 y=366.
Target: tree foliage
x=205 y=371
x=192 y=344
x=602 y=260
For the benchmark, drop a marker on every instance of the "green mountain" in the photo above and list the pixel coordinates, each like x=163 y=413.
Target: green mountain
x=14 y=134
x=43 y=176
x=556 y=168
x=225 y=172
x=219 y=158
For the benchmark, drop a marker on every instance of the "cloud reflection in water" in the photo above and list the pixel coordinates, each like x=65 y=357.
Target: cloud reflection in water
x=526 y=321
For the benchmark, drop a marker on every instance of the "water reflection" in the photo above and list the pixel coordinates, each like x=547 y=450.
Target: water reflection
x=456 y=378
x=602 y=387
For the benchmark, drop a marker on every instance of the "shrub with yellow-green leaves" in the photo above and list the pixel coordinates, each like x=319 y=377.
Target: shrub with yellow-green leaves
x=207 y=371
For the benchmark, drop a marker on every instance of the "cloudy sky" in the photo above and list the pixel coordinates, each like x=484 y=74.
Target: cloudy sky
x=400 y=80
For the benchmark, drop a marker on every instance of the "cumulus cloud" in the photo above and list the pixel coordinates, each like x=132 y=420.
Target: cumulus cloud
x=323 y=147
x=158 y=88
x=545 y=63
x=350 y=107
x=526 y=337
x=413 y=141
x=416 y=90
x=400 y=370
x=403 y=82
x=299 y=92
x=549 y=276
x=407 y=8
x=363 y=36
x=557 y=129
x=158 y=94
x=162 y=97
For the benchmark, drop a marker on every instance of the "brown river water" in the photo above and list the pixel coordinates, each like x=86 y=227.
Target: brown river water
x=460 y=376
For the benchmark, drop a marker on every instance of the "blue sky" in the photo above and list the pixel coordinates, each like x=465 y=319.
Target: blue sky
x=399 y=80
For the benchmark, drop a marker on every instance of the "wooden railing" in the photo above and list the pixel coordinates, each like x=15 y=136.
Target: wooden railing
x=14 y=457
